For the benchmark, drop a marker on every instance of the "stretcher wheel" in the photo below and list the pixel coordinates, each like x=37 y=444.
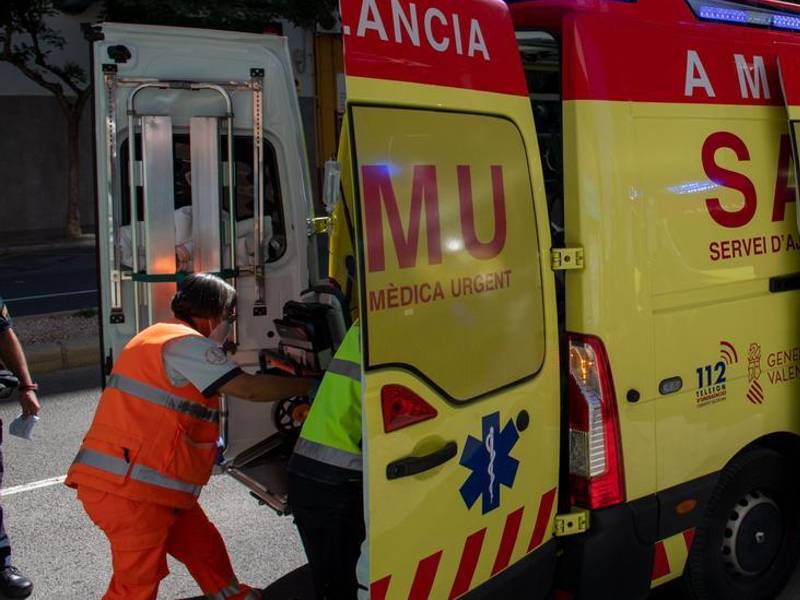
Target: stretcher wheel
x=290 y=414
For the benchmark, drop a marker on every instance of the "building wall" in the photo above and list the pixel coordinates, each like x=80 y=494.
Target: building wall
x=33 y=144
x=33 y=170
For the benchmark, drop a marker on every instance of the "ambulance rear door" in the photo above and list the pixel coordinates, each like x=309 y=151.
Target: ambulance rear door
x=457 y=302
x=184 y=116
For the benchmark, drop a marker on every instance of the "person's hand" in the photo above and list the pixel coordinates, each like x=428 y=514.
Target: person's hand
x=182 y=257
x=29 y=403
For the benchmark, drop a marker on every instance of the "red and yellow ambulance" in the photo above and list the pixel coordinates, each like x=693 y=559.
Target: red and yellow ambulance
x=577 y=252
x=569 y=229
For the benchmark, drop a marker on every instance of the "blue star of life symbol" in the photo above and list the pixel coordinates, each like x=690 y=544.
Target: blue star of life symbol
x=491 y=463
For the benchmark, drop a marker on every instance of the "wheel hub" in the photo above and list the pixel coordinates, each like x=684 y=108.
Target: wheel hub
x=753 y=535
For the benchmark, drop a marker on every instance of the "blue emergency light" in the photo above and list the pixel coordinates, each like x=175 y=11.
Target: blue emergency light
x=731 y=11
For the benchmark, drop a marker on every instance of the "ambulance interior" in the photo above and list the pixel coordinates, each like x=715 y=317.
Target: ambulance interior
x=275 y=227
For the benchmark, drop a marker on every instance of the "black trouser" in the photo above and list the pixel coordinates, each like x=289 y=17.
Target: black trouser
x=5 y=544
x=330 y=519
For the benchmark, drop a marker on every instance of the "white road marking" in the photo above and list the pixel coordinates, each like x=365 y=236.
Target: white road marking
x=27 y=487
x=43 y=296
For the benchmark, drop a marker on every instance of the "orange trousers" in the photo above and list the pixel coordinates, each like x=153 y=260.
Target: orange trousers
x=142 y=534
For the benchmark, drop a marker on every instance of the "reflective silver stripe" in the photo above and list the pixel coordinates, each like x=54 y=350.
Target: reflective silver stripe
x=104 y=462
x=227 y=592
x=153 y=477
x=119 y=467
x=328 y=455
x=162 y=398
x=346 y=368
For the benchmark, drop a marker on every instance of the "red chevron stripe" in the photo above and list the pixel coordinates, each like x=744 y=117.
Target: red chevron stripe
x=660 y=562
x=759 y=394
x=507 y=542
x=379 y=589
x=752 y=398
x=758 y=386
x=688 y=537
x=426 y=574
x=468 y=564
x=543 y=518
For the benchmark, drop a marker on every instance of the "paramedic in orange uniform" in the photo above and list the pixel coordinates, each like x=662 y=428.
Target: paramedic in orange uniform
x=153 y=443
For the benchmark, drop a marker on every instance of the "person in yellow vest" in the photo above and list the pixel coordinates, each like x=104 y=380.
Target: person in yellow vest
x=153 y=443
x=325 y=476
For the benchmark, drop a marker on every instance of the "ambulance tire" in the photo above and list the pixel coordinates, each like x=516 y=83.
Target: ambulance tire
x=757 y=493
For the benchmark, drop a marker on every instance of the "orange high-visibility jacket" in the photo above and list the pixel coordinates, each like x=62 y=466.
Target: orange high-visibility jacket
x=149 y=440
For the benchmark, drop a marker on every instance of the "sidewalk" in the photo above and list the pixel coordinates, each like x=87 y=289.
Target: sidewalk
x=59 y=341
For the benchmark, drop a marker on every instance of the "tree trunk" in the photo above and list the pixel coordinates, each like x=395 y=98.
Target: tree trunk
x=74 y=230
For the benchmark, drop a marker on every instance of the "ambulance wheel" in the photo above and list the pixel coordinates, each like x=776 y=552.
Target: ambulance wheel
x=748 y=544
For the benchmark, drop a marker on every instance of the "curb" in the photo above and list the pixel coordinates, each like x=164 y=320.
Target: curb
x=55 y=356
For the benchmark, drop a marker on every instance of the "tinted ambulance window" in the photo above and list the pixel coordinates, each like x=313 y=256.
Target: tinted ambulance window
x=451 y=271
x=243 y=154
x=541 y=58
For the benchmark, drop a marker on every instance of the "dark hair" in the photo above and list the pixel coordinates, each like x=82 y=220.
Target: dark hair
x=203 y=295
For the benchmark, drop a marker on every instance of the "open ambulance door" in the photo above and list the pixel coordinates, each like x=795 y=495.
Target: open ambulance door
x=789 y=70
x=182 y=118
x=457 y=302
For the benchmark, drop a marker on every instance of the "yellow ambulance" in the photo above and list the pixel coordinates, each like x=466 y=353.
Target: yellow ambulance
x=568 y=228
x=577 y=252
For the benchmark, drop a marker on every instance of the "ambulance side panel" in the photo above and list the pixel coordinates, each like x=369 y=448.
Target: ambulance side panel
x=682 y=196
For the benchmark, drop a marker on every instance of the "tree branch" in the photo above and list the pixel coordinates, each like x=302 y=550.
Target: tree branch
x=11 y=57
x=41 y=59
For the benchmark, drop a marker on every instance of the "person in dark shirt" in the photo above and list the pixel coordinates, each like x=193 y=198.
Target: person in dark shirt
x=12 y=583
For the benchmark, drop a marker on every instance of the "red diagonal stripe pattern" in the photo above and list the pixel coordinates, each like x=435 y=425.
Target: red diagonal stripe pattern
x=379 y=589
x=543 y=518
x=507 y=542
x=688 y=537
x=757 y=386
x=468 y=564
x=426 y=575
x=660 y=562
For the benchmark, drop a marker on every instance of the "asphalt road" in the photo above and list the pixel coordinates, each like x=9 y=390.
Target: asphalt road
x=46 y=282
x=56 y=545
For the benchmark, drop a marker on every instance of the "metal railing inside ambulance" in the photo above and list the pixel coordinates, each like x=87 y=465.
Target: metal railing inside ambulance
x=184 y=245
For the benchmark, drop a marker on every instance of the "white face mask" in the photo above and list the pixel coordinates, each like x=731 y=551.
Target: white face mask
x=221 y=332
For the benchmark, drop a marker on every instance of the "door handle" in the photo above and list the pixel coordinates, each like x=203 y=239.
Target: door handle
x=413 y=465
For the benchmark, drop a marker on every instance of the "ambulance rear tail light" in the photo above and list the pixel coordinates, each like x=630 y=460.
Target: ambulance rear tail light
x=402 y=407
x=595 y=451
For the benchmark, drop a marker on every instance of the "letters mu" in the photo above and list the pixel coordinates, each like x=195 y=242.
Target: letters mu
x=379 y=197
